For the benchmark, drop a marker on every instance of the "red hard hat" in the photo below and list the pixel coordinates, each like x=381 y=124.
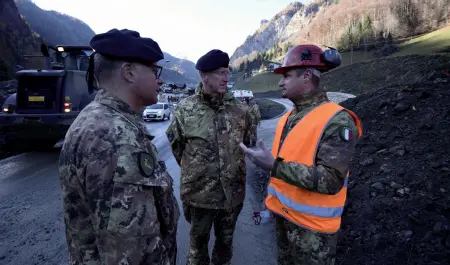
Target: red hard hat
x=309 y=56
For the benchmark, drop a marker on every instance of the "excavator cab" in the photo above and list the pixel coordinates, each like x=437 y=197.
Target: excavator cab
x=54 y=90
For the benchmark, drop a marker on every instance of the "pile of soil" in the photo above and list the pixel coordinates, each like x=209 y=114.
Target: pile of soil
x=398 y=209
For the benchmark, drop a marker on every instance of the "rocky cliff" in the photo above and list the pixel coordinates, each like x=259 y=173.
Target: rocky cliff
x=269 y=33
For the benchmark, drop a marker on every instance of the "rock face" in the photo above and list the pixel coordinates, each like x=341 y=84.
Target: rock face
x=398 y=208
x=269 y=33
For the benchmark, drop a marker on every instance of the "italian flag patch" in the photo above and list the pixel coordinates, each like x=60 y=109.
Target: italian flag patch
x=346 y=133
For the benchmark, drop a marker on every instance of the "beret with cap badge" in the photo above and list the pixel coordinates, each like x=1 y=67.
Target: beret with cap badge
x=213 y=60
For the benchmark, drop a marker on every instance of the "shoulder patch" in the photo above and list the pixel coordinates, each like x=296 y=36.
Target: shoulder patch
x=345 y=133
x=170 y=134
x=146 y=164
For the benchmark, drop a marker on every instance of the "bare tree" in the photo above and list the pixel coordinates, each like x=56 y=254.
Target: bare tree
x=407 y=13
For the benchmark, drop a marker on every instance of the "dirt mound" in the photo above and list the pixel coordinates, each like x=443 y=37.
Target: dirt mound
x=398 y=208
x=398 y=71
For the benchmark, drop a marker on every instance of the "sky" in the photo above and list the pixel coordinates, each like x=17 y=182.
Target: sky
x=183 y=28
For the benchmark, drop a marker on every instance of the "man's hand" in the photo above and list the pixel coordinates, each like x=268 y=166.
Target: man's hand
x=262 y=157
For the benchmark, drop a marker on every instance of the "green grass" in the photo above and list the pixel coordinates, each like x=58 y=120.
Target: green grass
x=429 y=43
x=260 y=83
x=426 y=44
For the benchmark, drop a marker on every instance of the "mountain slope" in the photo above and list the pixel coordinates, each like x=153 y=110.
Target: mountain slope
x=269 y=33
x=16 y=39
x=54 y=27
x=345 y=24
x=60 y=29
x=182 y=66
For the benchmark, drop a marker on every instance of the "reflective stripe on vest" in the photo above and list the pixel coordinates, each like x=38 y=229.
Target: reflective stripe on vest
x=312 y=210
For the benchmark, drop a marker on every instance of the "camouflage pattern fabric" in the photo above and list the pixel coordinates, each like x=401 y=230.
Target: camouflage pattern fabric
x=198 y=88
x=301 y=246
x=256 y=119
x=118 y=200
x=204 y=135
x=201 y=221
x=256 y=113
x=332 y=163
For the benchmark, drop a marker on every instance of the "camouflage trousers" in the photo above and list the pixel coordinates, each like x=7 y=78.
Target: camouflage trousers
x=254 y=135
x=298 y=246
x=172 y=249
x=201 y=221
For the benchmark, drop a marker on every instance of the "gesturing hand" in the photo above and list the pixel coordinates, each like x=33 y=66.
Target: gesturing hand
x=262 y=157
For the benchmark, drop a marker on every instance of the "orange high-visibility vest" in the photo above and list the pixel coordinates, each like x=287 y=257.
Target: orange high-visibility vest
x=311 y=210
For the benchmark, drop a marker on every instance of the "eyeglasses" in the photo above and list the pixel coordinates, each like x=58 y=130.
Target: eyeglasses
x=157 y=70
x=222 y=73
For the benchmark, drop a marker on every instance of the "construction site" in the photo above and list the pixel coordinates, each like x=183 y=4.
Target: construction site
x=394 y=75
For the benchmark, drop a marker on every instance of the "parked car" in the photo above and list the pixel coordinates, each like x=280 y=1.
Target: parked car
x=158 y=111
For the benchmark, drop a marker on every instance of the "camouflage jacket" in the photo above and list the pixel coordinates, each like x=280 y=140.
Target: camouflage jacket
x=256 y=114
x=333 y=156
x=204 y=135
x=118 y=200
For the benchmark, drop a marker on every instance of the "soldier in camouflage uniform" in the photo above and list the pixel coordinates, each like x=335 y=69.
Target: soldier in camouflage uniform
x=205 y=133
x=256 y=119
x=118 y=200
x=296 y=244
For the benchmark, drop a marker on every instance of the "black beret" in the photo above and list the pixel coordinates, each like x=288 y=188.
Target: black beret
x=128 y=45
x=213 y=60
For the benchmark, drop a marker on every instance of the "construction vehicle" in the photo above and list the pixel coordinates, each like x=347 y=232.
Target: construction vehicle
x=46 y=102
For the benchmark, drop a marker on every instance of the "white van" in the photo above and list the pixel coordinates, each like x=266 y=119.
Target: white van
x=242 y=94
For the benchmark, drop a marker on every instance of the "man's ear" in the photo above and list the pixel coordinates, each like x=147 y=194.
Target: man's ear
x=307 y=75
x=203 y=76
x=128 y=71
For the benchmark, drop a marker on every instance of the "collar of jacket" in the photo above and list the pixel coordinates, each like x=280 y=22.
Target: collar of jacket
x=110 y=100
x=313 y=98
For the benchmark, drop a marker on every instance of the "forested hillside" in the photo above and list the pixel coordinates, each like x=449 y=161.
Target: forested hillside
x=54 y=27
x=343 y=24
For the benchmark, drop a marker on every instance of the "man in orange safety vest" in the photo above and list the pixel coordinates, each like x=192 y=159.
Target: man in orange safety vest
x=309 y=161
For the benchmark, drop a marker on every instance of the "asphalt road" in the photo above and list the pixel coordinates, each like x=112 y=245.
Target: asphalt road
x=32 y=227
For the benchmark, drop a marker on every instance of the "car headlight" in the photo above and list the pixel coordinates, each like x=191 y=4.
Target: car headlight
x=160 y=112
